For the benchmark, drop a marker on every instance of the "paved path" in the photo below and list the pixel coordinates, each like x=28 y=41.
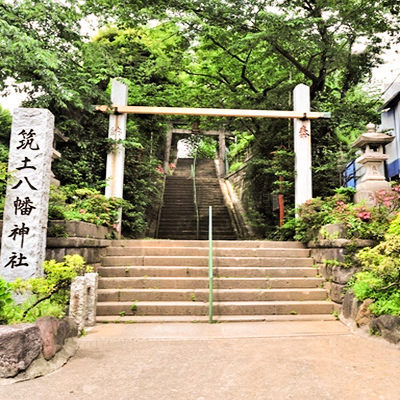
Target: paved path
x=255 y=361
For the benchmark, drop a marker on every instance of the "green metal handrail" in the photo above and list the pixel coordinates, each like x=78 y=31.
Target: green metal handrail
x=196 y=206
x=210 y=267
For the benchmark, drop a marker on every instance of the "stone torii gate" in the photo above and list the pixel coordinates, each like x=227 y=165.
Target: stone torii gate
x=301 y=116
x=221 y=133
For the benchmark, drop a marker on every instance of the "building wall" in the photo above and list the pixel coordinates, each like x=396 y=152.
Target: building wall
x=391 y=124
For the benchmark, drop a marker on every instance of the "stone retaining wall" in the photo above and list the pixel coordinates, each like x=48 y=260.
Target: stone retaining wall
x=77 y=237
x=233 y=192
x=336 y=276
x=357 y=315
x=354 y=313
x=236 y=178
x=90 y=249
x=31 y=350
x=77 y=229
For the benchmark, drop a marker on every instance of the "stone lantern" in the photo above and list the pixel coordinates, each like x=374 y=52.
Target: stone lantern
x=372 y=159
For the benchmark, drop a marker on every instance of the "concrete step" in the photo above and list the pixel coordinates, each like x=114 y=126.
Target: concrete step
x=221 y=233
x=190 y=222
x=189 y=236
x=220 y=308
x=229 y=272
x=203 y=243
x=200 y=261
x=131 y=295
x=217 y=318
x=181 y=224
x=203 y=251
x=171 y=216
x=189 y=199
x=202 y=283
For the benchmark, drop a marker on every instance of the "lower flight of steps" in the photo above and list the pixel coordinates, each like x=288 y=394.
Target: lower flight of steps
x=167 y=280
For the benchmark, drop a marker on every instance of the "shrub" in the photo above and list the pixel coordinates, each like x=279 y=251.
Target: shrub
x=394 y=228
x=48 y=295
x=235 y=166
x=83 y=204
x=204 y=148
x=5 y=299
x=380 y=277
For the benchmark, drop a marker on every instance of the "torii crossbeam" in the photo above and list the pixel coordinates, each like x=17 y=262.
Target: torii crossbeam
x=212 y=112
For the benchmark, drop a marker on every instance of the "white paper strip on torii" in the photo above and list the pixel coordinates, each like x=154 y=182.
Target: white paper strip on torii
x=25 y=217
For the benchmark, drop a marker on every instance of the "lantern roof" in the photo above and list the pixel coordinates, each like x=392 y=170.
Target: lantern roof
x=372 y=137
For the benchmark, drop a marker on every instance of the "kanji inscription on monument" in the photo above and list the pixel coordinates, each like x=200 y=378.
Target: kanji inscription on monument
x=23 y=244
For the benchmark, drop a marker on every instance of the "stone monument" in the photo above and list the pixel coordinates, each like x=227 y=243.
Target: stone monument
x=372 y=159
x=23 y=244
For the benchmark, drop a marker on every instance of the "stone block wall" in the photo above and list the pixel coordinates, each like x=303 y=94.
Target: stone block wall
x=234 y=187
x=76 y=237
x=237 y=181
x=90 y=249
x=77 y=229
x=357 y=315
x=336 y=276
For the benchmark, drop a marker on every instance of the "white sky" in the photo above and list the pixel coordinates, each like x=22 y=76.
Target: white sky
x=11 y=100
x=389 y=72
x=184 y=149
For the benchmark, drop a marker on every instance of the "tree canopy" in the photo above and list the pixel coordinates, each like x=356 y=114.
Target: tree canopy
x=210 y=53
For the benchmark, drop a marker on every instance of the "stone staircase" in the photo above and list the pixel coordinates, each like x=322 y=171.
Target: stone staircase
x=167 y=280
x=178 y=216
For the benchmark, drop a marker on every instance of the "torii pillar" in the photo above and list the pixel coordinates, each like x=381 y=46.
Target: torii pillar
x=302 y=146
x=168 y=142
x=116 y=158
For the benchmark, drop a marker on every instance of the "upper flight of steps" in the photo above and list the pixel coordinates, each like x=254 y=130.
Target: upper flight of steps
x=167 y=280
x=178 y=215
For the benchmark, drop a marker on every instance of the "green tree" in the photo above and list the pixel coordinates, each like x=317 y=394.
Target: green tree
x=5 y=130
x=247 y=54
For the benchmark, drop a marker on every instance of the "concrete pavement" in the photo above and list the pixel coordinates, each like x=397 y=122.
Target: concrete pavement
x=258 y=361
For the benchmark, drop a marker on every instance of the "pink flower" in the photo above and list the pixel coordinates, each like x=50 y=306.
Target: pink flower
x=82 y=211
x=341 y=206
x=364 y=215
x=396 y=188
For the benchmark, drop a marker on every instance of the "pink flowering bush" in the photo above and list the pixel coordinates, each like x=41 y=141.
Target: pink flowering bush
x=388 y=200
x=160 y=170
x=361 y=221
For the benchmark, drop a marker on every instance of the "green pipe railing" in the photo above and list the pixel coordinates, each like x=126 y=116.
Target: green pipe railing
x=196 y=206
x=210 y=267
